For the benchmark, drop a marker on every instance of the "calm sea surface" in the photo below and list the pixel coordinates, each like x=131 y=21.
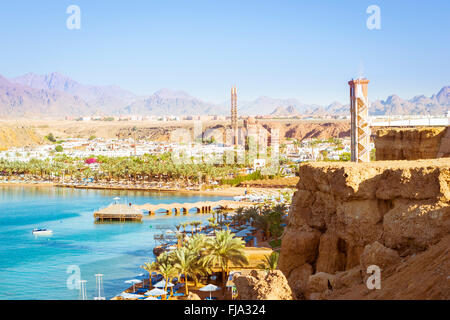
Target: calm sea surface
x=37 y=267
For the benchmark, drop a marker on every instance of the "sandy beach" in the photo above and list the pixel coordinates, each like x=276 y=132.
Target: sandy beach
x=226 y=191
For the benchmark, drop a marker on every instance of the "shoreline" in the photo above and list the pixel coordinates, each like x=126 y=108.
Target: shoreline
x=226 y=192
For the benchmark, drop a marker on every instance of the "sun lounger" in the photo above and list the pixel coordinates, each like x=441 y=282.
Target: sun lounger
x=178 y=294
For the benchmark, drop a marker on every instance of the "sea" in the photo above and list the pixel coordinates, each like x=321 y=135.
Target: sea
x=51 y=267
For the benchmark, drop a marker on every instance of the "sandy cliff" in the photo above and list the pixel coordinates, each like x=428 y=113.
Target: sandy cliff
x=15 y=136
x=346 y=216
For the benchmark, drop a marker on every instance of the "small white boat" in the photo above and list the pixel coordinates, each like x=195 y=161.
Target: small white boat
x=42 y=232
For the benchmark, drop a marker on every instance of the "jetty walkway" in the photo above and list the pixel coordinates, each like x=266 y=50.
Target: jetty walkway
x=202 y=206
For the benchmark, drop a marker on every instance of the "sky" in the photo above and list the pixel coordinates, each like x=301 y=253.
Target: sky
x=307 y=50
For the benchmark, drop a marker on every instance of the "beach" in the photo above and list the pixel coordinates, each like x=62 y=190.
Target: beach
x=226 y=191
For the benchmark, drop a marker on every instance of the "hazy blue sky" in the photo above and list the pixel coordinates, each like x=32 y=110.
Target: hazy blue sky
x=300 y=49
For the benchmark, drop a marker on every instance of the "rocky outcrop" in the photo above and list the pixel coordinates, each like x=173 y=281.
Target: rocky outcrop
x=262 y=285
x=347 y=216
x=419 y=276
x=379 y=255
x=412 y=144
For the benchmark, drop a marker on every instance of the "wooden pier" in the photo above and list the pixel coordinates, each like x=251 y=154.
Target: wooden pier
x=201 y=207
x=119 y=212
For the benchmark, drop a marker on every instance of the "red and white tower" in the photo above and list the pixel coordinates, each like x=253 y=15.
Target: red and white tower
x=234 y=121
x=360 y=128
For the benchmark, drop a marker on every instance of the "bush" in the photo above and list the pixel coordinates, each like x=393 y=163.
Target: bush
x=50 y=137
x=239 y=179
x=59 y=148
x=346 y=156
x=275 y=243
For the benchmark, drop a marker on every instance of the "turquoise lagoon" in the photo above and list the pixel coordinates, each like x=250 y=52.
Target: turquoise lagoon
x=37 y=267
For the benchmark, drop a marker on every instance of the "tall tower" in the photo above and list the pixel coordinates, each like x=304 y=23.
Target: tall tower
x=360 y=129
x=234 y=123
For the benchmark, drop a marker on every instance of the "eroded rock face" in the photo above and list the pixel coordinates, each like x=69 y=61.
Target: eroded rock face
x=319 y=285
x=262 y=285
x=379 y=255
x=298 y=280
x=424 y=275
x=347 y=214
x=412 y=144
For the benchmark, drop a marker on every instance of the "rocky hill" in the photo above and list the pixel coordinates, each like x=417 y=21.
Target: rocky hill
x=15 y=136
x=285 y=112
x=152 y=131
x=345 y=217
x=18 y=100
x=56 y=95
x=437 y=104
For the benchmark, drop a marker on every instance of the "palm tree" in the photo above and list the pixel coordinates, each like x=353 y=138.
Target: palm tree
x=185 y=261
x=262 y=222
x=270 y=262
x=168 y=271
x=223 y=249
x=196 y=224
x=150 y=267
x=184 y=225
x=192 y=224
x=197 y=244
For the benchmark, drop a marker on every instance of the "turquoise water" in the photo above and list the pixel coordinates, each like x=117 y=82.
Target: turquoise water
x=36 y=267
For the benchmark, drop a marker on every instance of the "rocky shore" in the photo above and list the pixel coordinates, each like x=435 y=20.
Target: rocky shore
x=346 y=217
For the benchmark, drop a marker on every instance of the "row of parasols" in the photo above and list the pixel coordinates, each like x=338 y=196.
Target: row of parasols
x=157 y=291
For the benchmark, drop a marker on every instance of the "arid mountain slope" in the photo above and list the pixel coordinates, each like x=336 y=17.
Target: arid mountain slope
x=55 y=95
x=29 y=132
x=11 y=136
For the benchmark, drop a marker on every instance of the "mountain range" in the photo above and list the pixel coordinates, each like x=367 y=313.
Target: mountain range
x=56 y=95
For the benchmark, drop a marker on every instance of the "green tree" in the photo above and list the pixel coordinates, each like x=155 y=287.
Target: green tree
x=50 y=137
x=270 y=262
x=185 y=261
x=223 y=249
x=346 y=156
x=150 y=267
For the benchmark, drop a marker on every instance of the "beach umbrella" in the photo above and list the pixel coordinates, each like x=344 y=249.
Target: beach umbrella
x=242 y=233
x=133 y=281
x=155 y=292
x=162 y=284
x=126 y=295
x=210 y=288
x=116 y=199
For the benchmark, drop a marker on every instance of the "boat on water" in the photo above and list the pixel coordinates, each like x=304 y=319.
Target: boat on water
x=42 y=232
